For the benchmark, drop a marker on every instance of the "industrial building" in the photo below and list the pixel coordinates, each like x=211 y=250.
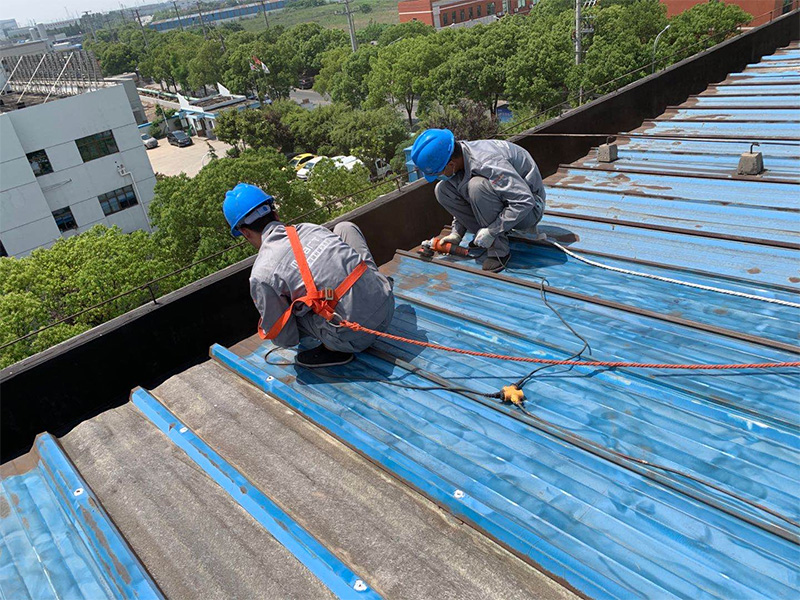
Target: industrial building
x=68 y=164
x=460 y=13
x=402 y=474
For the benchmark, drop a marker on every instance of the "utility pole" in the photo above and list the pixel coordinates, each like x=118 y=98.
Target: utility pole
x=202 y=23
x=177 y=14
x=349 y=13
x=141 y=27
x=578 y=48
x=264 y=10
x=578 y=43
x=87 y=16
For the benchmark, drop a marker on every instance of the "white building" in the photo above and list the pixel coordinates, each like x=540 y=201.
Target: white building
x=70 y=164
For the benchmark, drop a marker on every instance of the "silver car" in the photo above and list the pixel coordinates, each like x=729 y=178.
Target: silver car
x=149 y=141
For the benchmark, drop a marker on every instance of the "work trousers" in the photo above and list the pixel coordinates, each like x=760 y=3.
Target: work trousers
x=481 y=207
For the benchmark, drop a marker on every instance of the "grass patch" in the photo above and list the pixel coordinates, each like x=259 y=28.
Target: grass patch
x=383 y=11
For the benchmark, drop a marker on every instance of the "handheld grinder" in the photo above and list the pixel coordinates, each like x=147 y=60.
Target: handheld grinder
x=429 y=247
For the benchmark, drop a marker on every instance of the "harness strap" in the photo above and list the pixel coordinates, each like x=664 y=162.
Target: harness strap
x=322 y=302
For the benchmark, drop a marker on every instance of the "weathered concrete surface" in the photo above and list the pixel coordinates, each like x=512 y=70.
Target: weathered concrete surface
x=192 y=537
x=402 y=544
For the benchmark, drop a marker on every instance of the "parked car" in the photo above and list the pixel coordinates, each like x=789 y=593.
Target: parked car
x=348 y=162
x=149 y=141
x=179 y=138
x=304 y=171
x=300 y=160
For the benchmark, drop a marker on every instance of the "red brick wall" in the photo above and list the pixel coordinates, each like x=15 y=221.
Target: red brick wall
x=419 y=10
x=757 y=8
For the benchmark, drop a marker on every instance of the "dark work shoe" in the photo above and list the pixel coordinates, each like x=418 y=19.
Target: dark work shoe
x=322 y=357
x=495 y=264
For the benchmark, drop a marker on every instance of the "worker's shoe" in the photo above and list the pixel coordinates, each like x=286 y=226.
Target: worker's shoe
x=495 y=264
x=322 y=357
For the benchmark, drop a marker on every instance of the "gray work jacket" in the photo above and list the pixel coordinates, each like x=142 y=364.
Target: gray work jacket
x=513 y=174
x=275 y=281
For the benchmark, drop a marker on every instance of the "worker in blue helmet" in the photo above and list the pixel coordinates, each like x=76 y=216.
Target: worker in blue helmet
x=307 y=278
x=489 y=186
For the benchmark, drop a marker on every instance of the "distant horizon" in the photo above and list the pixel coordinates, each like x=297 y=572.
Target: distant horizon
x=47 y=11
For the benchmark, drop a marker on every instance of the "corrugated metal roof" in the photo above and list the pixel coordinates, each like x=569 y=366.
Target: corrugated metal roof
x=543 y=484
x=55 y=540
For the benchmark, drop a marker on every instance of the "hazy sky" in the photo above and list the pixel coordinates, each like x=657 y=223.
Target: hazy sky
x=43 y=11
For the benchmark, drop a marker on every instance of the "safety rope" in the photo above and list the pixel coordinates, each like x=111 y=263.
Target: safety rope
x=698 y=286
x=577 y=363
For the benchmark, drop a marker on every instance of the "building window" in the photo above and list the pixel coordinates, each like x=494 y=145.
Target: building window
x=470 y=12
x=39 y=162
x=462 y=15
x=64 y=219
x=521 y=4
x=454 y=17
x=490 y=8
x=444 y=19
x=97 y=145
x=117 y=200
x=478 y=10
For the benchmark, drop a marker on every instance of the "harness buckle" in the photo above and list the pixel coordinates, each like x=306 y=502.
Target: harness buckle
x=328 y=294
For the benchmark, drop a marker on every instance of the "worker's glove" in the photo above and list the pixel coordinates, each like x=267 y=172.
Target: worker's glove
x=452 y=238
x=483 y=238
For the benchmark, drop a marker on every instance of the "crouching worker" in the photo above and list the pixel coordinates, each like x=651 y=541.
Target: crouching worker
x=306 y=278
x=489 y=186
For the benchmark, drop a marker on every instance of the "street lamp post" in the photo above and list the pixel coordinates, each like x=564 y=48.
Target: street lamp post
x=655 y=45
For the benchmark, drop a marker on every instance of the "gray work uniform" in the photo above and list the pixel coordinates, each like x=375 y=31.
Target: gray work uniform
x=275 y=281
x=500 y=188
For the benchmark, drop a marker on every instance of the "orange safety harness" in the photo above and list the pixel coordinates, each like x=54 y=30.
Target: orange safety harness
x=322 y=302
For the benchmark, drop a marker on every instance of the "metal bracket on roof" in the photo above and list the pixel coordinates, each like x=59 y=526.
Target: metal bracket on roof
x=751 y=163
x=607 y=152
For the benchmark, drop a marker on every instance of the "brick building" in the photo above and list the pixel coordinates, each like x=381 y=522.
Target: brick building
x=763 y=11
x=459 y=13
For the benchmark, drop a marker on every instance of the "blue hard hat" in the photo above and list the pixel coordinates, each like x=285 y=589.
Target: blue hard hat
x=432 y=151
x=241 y=201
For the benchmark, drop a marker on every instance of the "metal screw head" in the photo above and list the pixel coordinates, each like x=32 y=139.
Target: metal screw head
x=270 y=378
x=77 y=492
x=359 y=586
x=458 y=494
x=183 y=429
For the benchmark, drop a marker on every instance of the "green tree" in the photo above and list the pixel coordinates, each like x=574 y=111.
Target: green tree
x=54 y=283
x=399 y=71
x=537 y=74
x=188 y=212
x=368 y=134
x=467 y=119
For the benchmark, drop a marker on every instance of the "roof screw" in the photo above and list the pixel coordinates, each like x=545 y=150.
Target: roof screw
x=183 y=429
x=77 y=492
x=359 y=586
x=754 y=144
x=458 y=494
x=270 y=378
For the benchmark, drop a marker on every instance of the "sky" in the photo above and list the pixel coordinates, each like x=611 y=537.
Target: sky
x=44 y=11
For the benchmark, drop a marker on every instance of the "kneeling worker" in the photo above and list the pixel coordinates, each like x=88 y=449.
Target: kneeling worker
x=305 y=276
x=489 y=186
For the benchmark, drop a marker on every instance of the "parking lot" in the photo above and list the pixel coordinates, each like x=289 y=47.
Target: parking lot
x=171 y=160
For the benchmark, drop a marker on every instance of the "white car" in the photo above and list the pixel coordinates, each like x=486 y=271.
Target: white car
x=348 y=162
x=149 y=141
x=304 y=172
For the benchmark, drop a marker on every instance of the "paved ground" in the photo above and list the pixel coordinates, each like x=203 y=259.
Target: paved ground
x=171 y=160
